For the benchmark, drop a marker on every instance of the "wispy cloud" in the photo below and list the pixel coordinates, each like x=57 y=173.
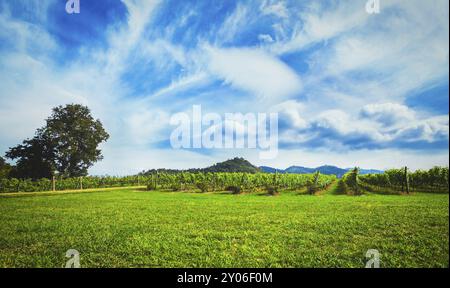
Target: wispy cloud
x=339 y=77
x=255 y=71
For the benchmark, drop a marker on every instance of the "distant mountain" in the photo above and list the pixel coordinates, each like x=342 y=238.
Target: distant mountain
x=326 y=169
x=242 y=165
x=329 y=170
x=370 y=171
x=267 y=169
x=298 y=170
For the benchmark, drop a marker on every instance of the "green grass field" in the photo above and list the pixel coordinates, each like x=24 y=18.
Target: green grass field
x=133 y=228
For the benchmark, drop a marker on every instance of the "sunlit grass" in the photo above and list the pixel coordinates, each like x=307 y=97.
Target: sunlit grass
x=132 y=228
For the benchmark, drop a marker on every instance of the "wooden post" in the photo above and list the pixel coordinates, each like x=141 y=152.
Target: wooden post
x=314 y=186
x=357 y=190
x=81 y=182
x=53 y=183
x=406 y=180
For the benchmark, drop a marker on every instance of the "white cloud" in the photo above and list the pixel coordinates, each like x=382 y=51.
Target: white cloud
x=265 y=38
x=386 y=57
x=146 y=126
x=291 y=113
x=278 y=8
x=23 y=36
x=320 y=22
x=233 y=24
x=364 y=59
x=179 y=85
x=254 y=71
x=376 y=126
x=162 y=52
x=430 y=130
x=121 y=43
x=343 y=127
x=388 y=114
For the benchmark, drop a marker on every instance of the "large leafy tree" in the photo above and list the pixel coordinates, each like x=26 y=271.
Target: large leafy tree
x=67 y=143
x=75 y=136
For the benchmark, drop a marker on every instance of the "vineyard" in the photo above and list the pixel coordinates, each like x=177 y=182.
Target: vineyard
x=239 y=182
x=194 y=219
x=44 y=184
x=403 y=181
x=205 y=182
x=392 y=181
x=350 y=183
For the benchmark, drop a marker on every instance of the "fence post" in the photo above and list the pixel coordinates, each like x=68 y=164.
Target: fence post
x=406 y=180
x=357 y=190
x=81 y=182
x=314 y=185
x=53 y=183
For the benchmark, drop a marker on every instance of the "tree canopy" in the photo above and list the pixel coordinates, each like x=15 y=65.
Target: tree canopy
x=68 y=143
x=34 y=158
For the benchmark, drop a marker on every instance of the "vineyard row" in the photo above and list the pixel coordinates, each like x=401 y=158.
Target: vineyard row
x=178 y=181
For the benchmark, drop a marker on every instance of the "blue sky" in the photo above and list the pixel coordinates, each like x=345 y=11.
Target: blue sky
x=351 y=88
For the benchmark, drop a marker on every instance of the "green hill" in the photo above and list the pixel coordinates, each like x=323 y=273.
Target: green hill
x=233 y=165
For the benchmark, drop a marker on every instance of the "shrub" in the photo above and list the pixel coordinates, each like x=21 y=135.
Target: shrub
x=234 y=189
x=312 y=189
x=342 y=187
x=151 y=186
x=272 y=190
x=175 y=186
x=202 y=186
x=352 y=182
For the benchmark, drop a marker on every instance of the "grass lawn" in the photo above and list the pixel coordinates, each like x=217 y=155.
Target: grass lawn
x=132 y=228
